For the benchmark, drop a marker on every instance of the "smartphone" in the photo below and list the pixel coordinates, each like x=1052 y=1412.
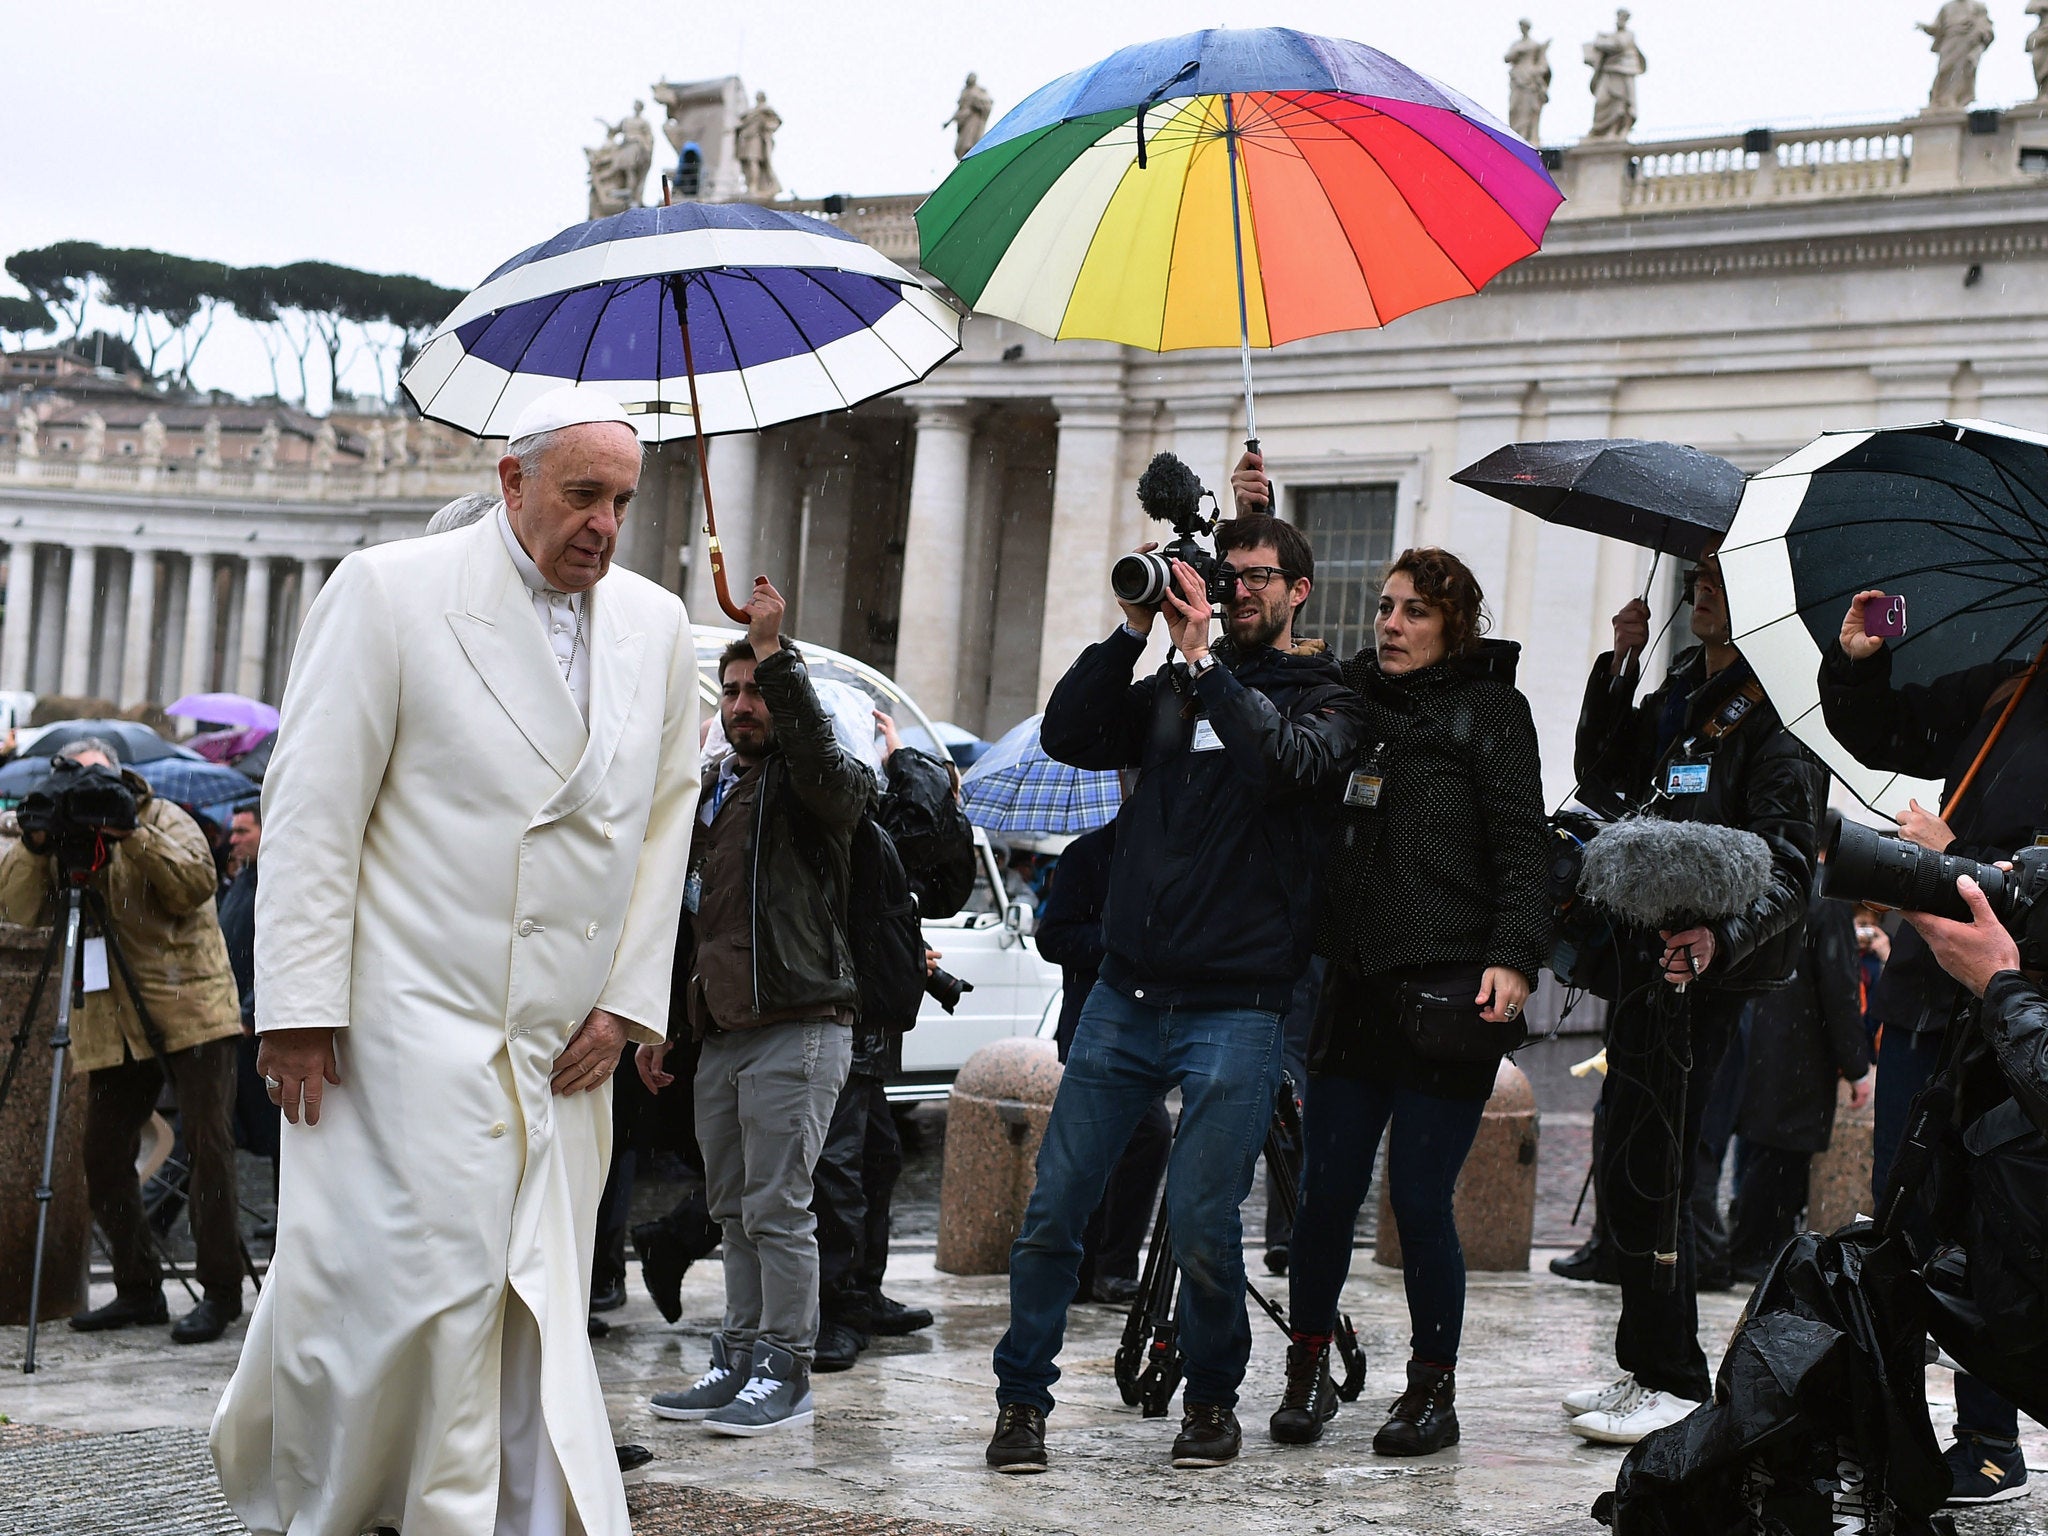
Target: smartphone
x=1885 y=617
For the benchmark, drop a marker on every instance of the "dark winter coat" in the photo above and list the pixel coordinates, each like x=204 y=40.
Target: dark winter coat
x=1806 y=1037
x=1761 y=780
x=237 y=909
x=1452 y=864
x=812 y=795
x=1069 y=931
x=1212 y=892
x=1935 y=731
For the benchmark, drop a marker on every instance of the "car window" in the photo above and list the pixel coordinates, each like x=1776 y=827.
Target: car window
x=910 y=721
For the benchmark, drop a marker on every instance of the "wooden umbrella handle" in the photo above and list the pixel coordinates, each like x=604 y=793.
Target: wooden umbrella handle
x=712 y=547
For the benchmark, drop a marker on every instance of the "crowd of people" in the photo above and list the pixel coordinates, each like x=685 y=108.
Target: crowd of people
x=509 y=866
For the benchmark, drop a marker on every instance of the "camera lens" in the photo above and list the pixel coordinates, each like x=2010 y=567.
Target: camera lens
x=1864 y=865
x=1140 y=579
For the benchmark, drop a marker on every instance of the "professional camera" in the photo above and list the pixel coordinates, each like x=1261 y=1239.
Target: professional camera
x=71 y=808
x=1170 y=491
x=946 y=989
x=1866 y=866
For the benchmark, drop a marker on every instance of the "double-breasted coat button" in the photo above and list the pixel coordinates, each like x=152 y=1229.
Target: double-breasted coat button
x=526 y=928
x=590 y=932
x=498 y=1129
x=608 y=832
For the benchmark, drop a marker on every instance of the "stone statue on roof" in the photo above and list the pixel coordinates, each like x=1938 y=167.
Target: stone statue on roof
x=619 y=166
x=95 y=435
x=1961 y=31
x=209 y=443
x=26 y=425
x=268 y=444
x=153 y=437
x=2037 y=47
x=1528 y=64
x=1616 y=61
x=970 y=117
x=754 y=142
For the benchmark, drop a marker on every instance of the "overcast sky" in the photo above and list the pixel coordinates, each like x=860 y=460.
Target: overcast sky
x=441 y=136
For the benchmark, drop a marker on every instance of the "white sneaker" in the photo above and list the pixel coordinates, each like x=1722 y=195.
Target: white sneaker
x=1597 y=1399
x=1640 y=1412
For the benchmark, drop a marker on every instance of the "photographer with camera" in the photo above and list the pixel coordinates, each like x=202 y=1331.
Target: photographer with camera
x=1209 y=922
x=1940 y=730
x=152 y=884
x=1704 y=747
x=1436 y=925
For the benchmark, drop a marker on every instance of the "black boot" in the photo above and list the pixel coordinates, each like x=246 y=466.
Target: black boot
x=124 y=1312
x=1311 y=1399
x=1422 y=1419
x=207 y=1321
x=1592 y=1260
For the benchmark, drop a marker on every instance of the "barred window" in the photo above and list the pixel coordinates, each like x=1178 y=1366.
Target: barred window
x=1352 y=530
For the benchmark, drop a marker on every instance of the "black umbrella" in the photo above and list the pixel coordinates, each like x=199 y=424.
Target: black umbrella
x=133 y=741
x=1662 y=496
x=1952 y=515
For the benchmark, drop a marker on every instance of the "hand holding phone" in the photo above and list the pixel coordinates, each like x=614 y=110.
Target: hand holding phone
x=1884 y=616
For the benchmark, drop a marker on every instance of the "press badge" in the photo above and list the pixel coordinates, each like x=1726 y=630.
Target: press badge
x=1206 y=739
x=1687 y=778
x=1362 y=790
x=92 y=962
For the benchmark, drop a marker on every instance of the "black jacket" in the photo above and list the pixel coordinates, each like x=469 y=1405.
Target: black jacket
x=236 y=907
x=1806 y=1037
x=1069 y=931
x=1452 y=864
x=1761 y=780
x=1935 y=732
x=1211 y=896
x=798 y=850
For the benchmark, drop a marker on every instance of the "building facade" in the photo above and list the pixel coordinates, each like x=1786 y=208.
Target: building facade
x=1741 y=293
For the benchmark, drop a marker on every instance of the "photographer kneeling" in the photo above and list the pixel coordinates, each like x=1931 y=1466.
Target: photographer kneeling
x=155 y=889
x=1208 y=925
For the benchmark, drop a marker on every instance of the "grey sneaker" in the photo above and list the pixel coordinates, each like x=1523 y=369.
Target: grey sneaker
x=776 y=1396
x=714 y=1389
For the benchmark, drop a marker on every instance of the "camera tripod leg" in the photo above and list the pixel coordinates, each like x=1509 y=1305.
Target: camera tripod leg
x=60 y=1046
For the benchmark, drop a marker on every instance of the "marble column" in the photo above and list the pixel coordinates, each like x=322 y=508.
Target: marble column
x=1471 y=524
x=140 y=628
x=735 y=465
x=48 y=664
x=197 y=668
x=1078 y=603
x=76 y=676
x=17 y=628
x=934 y=558
x=255 y=649
x=827 y=533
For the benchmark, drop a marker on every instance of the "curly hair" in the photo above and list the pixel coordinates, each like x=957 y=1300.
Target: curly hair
x=1447 y=584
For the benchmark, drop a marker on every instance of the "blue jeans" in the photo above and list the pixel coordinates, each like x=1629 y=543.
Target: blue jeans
x=1125 y=1054
x=1342 y=1124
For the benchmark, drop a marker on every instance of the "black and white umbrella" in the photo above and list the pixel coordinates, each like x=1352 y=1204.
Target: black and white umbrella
x=1953 y=515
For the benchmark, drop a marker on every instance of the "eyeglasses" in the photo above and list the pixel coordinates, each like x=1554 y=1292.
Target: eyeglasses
x=1255 y=577
x=1707 y=572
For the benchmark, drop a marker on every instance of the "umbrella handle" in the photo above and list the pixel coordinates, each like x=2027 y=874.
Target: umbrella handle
x=712 y=547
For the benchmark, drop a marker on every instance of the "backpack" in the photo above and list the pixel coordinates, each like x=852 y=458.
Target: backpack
x=931 y=832
x=882 y=928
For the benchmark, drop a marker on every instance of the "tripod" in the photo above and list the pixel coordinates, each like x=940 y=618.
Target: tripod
x=1149 y=1362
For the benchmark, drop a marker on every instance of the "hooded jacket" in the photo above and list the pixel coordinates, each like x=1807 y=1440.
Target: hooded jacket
x=1212 y=888
x=158 y=885
x=1759 y=779
x=1452 y=863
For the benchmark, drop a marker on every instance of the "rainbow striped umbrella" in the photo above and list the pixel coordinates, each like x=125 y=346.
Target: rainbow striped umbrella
x=1249 y=186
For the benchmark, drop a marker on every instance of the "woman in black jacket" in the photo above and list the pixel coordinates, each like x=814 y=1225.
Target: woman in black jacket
x=1436 y=919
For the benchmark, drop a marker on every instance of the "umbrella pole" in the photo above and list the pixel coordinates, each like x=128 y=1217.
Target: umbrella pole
x=733 y=610
x=2026 y=679
x=1244 y=329
x=1622 y=677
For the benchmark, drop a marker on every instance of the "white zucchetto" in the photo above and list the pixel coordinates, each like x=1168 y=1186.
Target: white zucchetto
x=570 y=406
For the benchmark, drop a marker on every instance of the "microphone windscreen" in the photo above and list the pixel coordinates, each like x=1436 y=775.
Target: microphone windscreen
x=1652 y=873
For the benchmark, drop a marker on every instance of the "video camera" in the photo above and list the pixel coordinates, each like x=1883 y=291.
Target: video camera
x=1171 y=492
x=1867 y=866
x=70 y=810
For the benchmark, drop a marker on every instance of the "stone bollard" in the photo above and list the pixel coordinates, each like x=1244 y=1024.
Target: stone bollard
x=994 y=1122
x=22 y=1121
x=1838 y=1183
x=1496 y=1195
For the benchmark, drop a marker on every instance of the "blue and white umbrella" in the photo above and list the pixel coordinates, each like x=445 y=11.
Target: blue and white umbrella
x=1014 y=787
x=777 y=315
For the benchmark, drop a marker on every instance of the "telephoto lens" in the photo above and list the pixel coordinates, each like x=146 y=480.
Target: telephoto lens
x=1867 y=866
x=1141 y=580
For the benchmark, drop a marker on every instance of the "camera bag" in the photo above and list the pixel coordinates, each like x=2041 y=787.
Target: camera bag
x=883 y=929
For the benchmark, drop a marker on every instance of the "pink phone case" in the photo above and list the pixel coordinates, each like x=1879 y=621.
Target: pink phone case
x=1885 y=616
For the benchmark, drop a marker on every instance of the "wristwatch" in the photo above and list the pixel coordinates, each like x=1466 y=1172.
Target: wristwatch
x=1202 y=665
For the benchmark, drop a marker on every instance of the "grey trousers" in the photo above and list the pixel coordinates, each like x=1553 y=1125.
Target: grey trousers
x=764 y=1098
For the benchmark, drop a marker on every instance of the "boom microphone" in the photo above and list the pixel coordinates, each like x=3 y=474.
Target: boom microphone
x=1657 y=874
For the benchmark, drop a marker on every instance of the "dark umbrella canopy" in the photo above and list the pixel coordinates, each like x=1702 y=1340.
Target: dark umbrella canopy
x=1953 y=515
x=1662 y=496
x=133 y=741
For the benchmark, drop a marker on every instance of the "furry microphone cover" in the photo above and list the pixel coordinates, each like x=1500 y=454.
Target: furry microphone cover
x=1660 y=874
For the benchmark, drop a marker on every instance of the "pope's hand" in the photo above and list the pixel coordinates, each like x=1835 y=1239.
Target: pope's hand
x=297 y=1064
x=591 y=1055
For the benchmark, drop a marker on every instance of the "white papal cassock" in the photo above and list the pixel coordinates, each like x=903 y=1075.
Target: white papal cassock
x=455 y=871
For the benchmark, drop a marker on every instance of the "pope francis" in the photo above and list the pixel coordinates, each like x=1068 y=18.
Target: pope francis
x=475 y=832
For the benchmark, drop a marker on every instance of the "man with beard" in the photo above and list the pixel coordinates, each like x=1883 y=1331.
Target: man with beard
x=1206 y=928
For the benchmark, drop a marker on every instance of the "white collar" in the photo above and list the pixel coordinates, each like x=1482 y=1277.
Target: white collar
x=522 y=562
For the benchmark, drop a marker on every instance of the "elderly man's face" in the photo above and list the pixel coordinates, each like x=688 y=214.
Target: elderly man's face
x=567 y=511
